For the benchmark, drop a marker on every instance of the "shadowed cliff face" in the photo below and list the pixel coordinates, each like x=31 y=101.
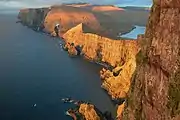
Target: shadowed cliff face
x=33 y=17
x=155 y=88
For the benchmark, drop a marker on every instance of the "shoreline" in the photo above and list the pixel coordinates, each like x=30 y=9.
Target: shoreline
x=83 y=57
x=105 y=66
x=113 y=55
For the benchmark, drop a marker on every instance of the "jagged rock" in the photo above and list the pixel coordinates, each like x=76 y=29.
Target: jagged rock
x=88 y=111
x=111 y=51
x=119 y=111
x=72 y=51
x=104 y=74
x=155 y=87
x=53 y=34
x=33 y=18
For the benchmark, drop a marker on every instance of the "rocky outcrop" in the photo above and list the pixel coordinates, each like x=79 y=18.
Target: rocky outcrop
x=155 y=87
x=33 y=18
x=88 y=111
x=119 y=54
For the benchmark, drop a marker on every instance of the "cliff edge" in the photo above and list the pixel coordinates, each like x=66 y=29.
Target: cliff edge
x=108 y=22
x=155 y=88
x=120 y=54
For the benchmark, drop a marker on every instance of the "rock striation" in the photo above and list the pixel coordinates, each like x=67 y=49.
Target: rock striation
x=155 y=87
x=120 y=54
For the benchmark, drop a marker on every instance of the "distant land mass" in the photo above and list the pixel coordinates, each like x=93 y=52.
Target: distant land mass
x=136 y=8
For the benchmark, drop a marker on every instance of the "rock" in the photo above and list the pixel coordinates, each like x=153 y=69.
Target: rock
x=71 y=48
x=88 y=111
x=119 y=111
x=155 y=87
x=53 y=34
x=104 y=74
x=117 y=81
x=66 y=46
x=33 y=17
x=72 y=51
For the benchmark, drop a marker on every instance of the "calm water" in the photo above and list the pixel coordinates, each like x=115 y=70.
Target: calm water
x=34 y=70
x=133 y=34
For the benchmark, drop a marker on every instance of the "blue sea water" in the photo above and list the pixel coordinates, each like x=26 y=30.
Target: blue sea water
x=133 y=34
x=35 y=70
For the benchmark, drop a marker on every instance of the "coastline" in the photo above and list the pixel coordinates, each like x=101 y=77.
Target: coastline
x=123 y=54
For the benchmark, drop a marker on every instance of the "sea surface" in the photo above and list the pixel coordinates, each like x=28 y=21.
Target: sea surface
x=35 y=70
x=135 y=32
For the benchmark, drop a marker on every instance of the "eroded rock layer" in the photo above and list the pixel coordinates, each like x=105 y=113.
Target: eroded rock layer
x=118 y=53
x=155 y=88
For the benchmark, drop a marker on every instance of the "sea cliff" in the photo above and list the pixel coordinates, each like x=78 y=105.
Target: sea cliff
x=96 y=42
x=155 y=87
x=120 y=54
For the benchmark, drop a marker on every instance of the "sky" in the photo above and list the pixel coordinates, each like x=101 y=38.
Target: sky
x=17 y=4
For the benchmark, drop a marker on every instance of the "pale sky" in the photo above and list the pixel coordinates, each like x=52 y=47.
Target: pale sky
x=11 y=4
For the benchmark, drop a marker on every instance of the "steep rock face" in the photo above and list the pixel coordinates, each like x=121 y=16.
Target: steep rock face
x=88 y=111
x=155 y=88
x=33 y=17
x=117 y=53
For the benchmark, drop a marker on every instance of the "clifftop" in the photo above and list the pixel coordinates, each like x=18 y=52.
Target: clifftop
x=68 y=17
x=105 y=23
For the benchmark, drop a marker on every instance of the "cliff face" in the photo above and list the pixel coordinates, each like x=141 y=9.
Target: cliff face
x=88 y=111
x=33 y=17
x=155 y=88
x=120 y=54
